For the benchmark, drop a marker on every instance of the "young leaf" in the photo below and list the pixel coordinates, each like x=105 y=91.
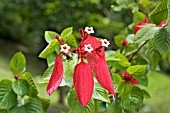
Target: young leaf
x=50 y=36
x=76 y=107
x=124 y=89
x=28 y=106
x=100 y=93
x=162 y=40
x=83 y=82
x=134 y=100
x=138 y=17
x=103 y=75
x=32 y=87
x=71 y=41
x=159 y=11
x=18 y=63
x=66 y=32
x=51 y=58
x=56 y=76
x=49 y=49
x=7 y=96
x=137 y=70
x=20 y=87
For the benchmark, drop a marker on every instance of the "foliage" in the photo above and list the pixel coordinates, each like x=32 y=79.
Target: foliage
x=21 y=94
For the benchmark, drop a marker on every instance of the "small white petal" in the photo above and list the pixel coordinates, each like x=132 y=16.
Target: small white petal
x=65 y=48
x=89 y=30
x=88 y=48
x=105 y=43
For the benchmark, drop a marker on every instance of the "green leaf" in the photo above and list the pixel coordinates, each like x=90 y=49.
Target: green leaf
x=4 y=111
x=71 y=41
x=18 y=63
x=68 y=71
x=137 y=70
x=124 y=89
x=134 y=100
x=115 y=107
x=20 y=87
x=49 y=49
x=27 y=106
x=162 y=40
x=146 y=33
x=138 y=17
x=168 y=7
x=117 y=78
x=153 y=56
x=51 y=59
x=168 y=55
x=118 y=39
x=146 y=94
x=32 y=87
x=50 y=36
x=160 y=13
x=131 y=49
x=121 y=59
x=45 y=103
x=76 y=107
x=47 y=73
x=100 y=93
x=7 y=96
x=66 y=32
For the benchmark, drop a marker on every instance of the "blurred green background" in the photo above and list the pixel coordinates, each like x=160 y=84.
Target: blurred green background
x=22 y=27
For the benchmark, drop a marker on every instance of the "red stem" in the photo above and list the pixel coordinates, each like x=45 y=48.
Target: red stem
x=58 y=38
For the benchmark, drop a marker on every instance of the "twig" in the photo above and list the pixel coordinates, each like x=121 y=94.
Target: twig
x=130 y=59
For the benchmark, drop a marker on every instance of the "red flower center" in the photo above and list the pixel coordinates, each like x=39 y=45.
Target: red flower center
x=89 y=29
x=105 y=42
x=64 y=47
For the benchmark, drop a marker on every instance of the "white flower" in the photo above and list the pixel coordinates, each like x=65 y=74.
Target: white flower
x=88 y=48
x=105 y=43
x=89 y=30
x=65 y=48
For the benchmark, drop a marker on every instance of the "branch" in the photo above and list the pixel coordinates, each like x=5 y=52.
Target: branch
x=133 y=55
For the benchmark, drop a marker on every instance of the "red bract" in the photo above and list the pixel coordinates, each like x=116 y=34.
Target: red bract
x=56 y=76
x=164 y=23
x=83 y=82
x=103 y=75
x=129 y=78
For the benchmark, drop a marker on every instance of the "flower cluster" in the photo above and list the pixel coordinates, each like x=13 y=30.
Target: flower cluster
x=92 y=49
x=129 y=78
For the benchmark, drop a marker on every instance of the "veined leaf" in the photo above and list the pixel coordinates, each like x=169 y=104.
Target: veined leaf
x=160 y=13
x=51 y=58
x=49 y=49
x=124 y=89
x=66 y=32
x=32 y=87
x=75 y=105
x=131 y=48
x=47 y=73
x=100 y=93
x=162 y=40
x=50 y=36
x=20 y=87
x=4 y=111
x=153 y=56
x=18 y=63
x=71 y=41
x=27 y=106
x=115 y=107
x=7 y=96
x=137 y=70
x=146 y=94
x=146 y=33
x=45 y=103
x=134 y=100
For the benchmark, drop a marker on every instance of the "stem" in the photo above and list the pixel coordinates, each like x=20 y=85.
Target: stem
x=58 y=38
x=96 y=106
x=133 y=55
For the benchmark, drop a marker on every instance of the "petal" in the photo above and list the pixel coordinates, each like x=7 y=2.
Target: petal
x=103 y=75
x=56 y=76
x=83 y=82
x=134 y=81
